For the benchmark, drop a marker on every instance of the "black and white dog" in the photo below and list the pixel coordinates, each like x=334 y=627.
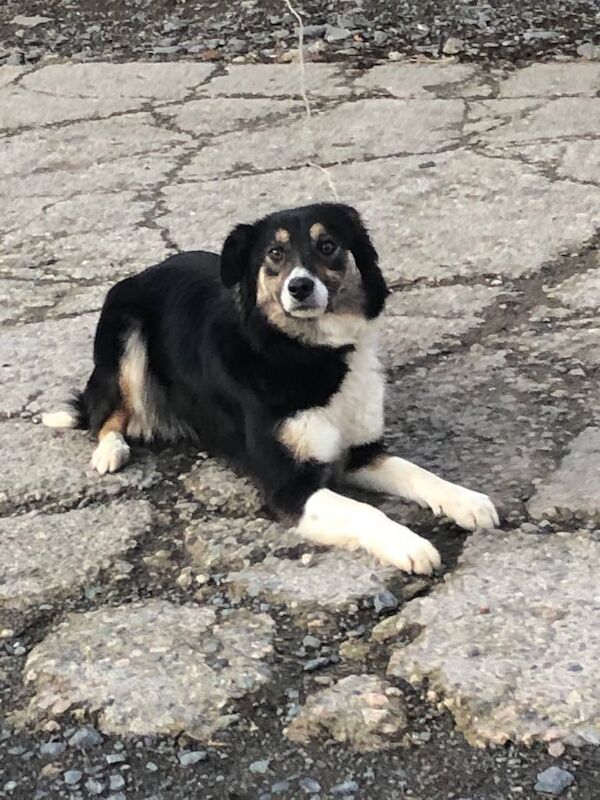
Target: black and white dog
x=267 y=355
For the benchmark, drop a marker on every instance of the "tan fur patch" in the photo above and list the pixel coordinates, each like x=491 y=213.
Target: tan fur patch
x=282 y=236
x=116 y=423
x=316 y=230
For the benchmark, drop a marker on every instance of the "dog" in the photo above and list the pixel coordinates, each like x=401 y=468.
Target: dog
x=267 y=356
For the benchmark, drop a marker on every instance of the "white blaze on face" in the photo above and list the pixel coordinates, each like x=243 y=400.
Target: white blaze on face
x=312 y=306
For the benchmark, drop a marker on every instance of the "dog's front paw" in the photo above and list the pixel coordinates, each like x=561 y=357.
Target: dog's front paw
x=404 y=549
x=111 y=454
x=467 y=508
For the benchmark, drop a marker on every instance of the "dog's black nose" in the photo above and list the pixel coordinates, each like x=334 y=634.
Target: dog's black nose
x=301 y=288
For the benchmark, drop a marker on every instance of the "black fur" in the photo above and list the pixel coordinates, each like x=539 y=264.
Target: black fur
x=364 y=454
x=227 y=372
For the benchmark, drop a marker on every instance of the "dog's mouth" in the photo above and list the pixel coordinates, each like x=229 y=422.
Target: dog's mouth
x=304 y=311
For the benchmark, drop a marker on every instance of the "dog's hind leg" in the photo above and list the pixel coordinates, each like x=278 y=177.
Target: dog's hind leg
x=112 y=451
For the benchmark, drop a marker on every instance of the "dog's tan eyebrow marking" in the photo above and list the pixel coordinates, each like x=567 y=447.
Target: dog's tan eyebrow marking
x=282 y=236
x=316 y=230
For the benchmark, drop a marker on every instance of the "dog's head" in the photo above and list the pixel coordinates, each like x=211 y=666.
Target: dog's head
x=305 y=269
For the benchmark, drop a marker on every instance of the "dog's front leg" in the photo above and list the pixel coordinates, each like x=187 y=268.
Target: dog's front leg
x=332 y=519
x=384 y=473
x=295 y=490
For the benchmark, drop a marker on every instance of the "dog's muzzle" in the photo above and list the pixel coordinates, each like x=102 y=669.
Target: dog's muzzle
x=303 y=294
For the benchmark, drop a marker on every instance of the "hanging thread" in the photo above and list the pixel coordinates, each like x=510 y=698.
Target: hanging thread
x=304 y=94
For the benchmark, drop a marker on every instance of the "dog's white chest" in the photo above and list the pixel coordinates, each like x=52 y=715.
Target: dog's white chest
x=353 y=416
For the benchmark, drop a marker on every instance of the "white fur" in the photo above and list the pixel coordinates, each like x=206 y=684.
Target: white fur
x=319 y=297
x=353 y=416
x=309 y=437
x=60 y=419
x=332 y=519
x=111 y=454
x=467 y=508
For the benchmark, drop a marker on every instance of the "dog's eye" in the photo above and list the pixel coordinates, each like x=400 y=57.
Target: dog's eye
x=276 y=254
x=327 y=247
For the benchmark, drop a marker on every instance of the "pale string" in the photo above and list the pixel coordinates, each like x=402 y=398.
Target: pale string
x=304 y=95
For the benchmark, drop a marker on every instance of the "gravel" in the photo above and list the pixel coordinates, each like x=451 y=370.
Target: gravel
x=266 y=31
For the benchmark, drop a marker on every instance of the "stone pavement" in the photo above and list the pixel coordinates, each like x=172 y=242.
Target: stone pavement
x=154 y=601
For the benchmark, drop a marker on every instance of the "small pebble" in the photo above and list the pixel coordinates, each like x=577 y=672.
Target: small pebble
x=72 y=777
x=94 y=787
x=192 y=757
x=259 y=767
x=115 y=758
x=345 y=789
x=85 y=738
x=553 y=781
x=116 y=782
x=310 y=786
x=52 y=748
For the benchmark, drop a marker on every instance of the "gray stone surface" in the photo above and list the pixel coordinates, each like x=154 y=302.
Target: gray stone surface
x=362 y=710
x=218 y=489
x=51 y=467
x=233 y=543
x=579 y=291
x=418 y=319
x=481 y=188
x=43 y=361
x=573 y=488
x=546 y=80
x=373 y=129
x=425 y=80
x=331 y=580
x=466 y=215
x=48 y=556
x=150 y=667
x=278 y=80
x=507 y=655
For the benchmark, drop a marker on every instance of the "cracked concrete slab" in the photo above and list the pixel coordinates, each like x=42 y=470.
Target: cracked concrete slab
x=65 y=92
x=575 y=160
x=330 y=580
x=579 y=291
x=547 y=80
x=425 y=80
x=219 y=545
x=53 y=468
x=551 y=120
x=573 y=488
x=142 y=81
x=508 y=656
x=117 y=155
x=418 y=319
x=9 y=73
x=372 y=129
x=150 y=667
x=49 y=556
x=216 y=488
x=85 y=235
x=43 y=361
x=363 y=710
x=275 y=80
x=451 y=214
x=212 y=116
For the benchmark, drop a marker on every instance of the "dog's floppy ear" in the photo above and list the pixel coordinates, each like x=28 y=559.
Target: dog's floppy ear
x=366 y=259
x=235 y=254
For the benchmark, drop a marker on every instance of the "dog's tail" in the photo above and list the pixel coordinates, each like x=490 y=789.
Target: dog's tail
x=72 y=415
